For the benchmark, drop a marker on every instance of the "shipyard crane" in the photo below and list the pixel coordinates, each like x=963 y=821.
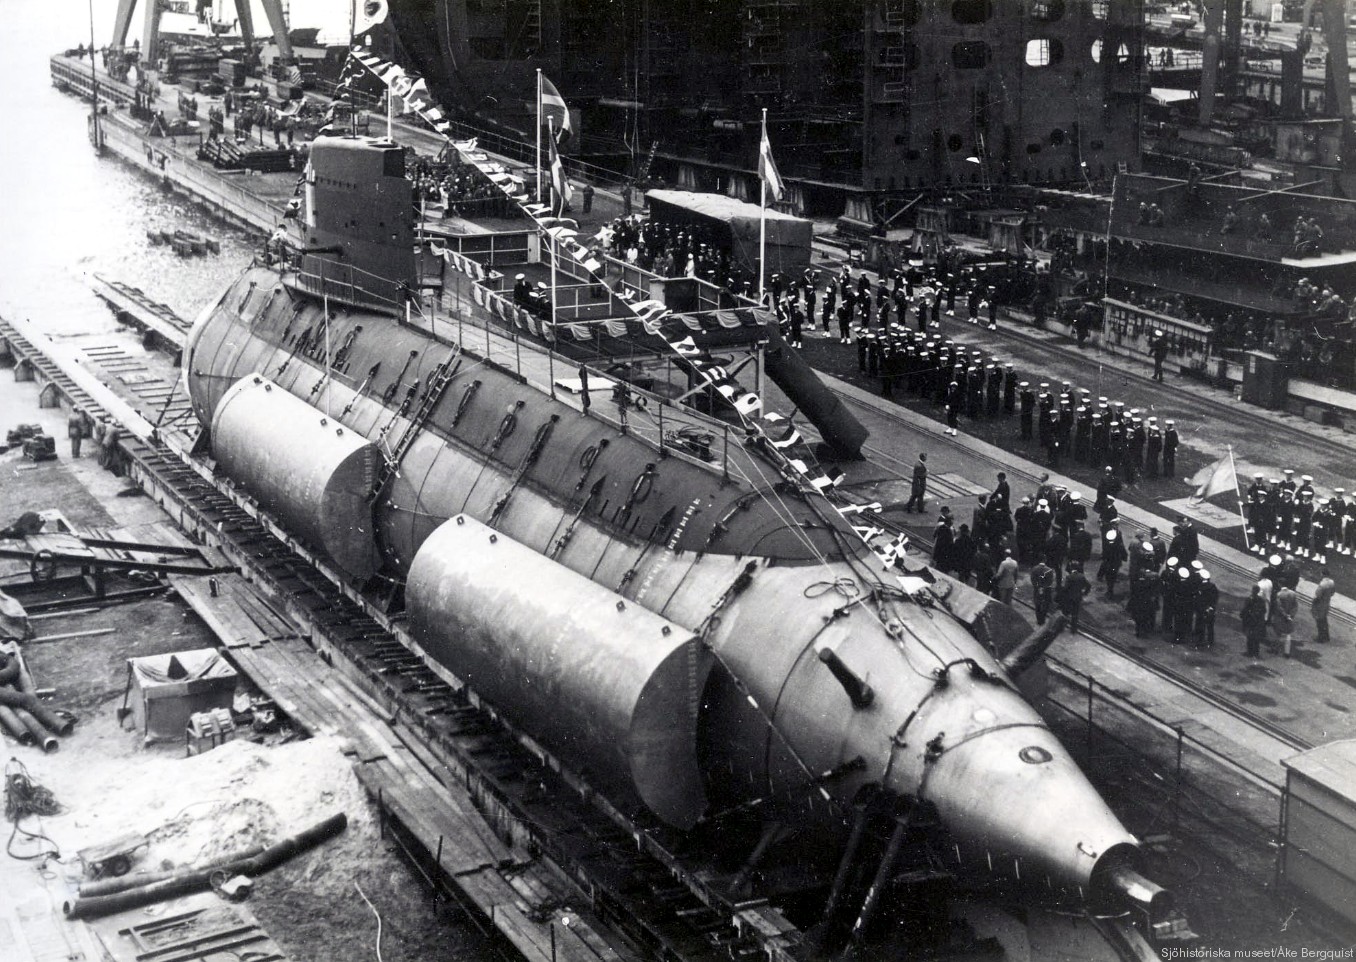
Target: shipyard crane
x=150 y=42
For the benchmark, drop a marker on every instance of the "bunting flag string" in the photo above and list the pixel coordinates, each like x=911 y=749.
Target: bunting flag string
x=650 y=315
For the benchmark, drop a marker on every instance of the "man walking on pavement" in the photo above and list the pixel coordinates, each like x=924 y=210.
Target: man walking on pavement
x=1254 y=620
x=1158 y=347
x=1283 y=618
x=1072 y=593
x=1042 y=589
x=919 y=486
x=1207 y=599
x=1005 y=579
x=1321 y=605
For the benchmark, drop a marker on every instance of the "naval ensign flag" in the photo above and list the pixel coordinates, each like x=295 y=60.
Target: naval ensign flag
x=767 y=167
x=1215 y=479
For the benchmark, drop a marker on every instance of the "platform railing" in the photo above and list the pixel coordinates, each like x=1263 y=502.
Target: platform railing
x=1169 y=782
x=667 y=424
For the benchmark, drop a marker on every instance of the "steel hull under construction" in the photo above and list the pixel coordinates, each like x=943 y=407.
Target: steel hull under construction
x=706 y=640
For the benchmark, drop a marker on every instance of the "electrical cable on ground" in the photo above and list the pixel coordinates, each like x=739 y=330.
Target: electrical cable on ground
x=374 y=912
x=23 y=798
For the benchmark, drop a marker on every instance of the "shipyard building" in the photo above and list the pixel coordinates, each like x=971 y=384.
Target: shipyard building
x=868 y=102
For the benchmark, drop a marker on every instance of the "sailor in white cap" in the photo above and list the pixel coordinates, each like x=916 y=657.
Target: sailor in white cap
x=1338 y=508
x=1207 y=600
x=1158 y=348
x=1183 y=606
x=1170 y=442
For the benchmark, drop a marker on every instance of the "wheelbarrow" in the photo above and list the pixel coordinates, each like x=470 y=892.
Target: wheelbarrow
x=112 y=858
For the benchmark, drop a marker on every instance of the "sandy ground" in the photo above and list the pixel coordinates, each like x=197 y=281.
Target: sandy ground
x=109 y=783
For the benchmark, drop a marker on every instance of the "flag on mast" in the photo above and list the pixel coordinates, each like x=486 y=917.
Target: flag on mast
x=767 y=167
x=560 y=181
x=1216 y=478
x=553 y=108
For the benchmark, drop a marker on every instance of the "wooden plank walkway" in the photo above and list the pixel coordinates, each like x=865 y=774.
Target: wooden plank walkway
x=503 y=882
x=140 y=309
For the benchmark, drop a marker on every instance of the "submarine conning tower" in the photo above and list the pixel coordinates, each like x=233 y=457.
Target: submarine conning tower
x=357 y=224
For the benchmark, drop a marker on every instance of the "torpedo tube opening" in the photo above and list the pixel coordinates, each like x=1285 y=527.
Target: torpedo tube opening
x=1118 y=885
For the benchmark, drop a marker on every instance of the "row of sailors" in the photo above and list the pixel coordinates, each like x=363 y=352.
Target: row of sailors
x=1285 y=516
x=1068 y=421
x=849 y=301
x=1177 y=598
x=1099 y=432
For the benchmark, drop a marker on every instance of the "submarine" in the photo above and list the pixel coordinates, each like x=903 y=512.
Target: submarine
x=704 y=639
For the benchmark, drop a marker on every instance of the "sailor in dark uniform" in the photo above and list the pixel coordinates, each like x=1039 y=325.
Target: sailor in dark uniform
x=1028 y=409
x=1134 y=450
x=1116 y=447
x=1153 y=449
x=1304 y=521
x=1009 y=389
x=1169 y=449
x=1083 y=444
x=975 y=387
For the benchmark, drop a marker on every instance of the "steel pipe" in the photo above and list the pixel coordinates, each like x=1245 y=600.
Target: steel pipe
x=40 y=734
x=13 y=727
x=197 y=880
x=111 y=886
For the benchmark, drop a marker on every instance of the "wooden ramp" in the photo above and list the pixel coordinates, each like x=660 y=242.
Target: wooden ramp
x=422 y=803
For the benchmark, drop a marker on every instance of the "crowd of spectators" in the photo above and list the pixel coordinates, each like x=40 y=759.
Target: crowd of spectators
x=672 y=249
x=460 y=189
x=1170 y=592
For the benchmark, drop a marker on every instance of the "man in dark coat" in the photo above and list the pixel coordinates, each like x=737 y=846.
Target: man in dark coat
x=919 y=486
x=1002 y=493
x=1108 y=486
x=1183 y=607
x=1113 y=557
x=1072 y=593
x=982 y=564
x=1143 y=605
x=1207 y=600
x=1027 y=532
x=1042 y=589
x=943 y=543
x=1170 y=442
x=1254 y=620
x=1056 y=550
x=963 y=553
x=1080 y=545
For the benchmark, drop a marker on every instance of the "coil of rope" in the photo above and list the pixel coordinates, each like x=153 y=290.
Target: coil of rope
x=25 y=798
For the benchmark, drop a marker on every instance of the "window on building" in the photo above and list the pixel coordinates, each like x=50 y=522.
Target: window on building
x=1047 y=10
x=1043 y=52
x=970 y=55
x=1100 y=8
x=971 y=11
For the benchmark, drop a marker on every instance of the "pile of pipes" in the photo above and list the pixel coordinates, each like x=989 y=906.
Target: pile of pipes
x=22 y=716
